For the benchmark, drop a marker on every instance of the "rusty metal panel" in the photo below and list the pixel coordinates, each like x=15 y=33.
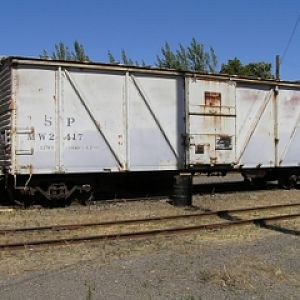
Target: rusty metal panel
x=288 y=130
x=255 y=129
x=212 y=99
x=223 y=90
x=211 y=119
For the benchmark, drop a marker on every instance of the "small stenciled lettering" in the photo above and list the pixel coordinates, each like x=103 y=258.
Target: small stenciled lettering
x=74 y=148
x=91 y=147
x=47 y=148
x=41 y=136
x=70 y=121
x=48 y=121
x=83 y=148
x=73 y=137
x=31 y=137
x=50 y=136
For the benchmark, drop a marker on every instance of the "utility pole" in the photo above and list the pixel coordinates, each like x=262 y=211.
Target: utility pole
x=277 y=64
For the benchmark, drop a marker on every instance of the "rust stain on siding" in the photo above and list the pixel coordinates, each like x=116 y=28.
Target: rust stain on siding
x=212 y=99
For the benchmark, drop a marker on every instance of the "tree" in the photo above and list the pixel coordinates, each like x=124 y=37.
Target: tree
x=194 y=57
x=182 y=58
x=233 y=67
x=213 y=61
x=197 y=56
x=191 y=58
x=168 y=59
x=111 y=58
x=259 y=69
x=44 y=54
x=63 y=52
x=124 y=59
x=79 y=53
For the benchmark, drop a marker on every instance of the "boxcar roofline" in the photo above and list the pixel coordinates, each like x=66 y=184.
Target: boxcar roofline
x=16 y=60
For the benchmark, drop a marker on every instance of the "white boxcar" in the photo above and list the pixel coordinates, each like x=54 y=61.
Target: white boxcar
x=59 y=119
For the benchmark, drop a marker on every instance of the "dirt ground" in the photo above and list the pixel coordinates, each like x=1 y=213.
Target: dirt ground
x=247 y=262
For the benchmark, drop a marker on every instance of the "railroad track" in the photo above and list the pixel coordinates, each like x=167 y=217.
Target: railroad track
x=227 y=219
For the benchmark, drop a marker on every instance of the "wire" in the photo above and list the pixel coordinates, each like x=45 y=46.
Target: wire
x=290 y=40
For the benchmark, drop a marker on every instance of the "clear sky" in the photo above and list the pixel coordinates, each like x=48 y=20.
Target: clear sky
x=251 y=30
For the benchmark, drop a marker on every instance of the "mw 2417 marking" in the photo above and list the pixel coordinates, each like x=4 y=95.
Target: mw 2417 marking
x=42 y=136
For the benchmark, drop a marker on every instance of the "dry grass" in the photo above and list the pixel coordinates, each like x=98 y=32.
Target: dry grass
x=242 y=275
x=123 y=228
x=245 y=199
x=28 y=260
x=102 y=211
x=50 y=258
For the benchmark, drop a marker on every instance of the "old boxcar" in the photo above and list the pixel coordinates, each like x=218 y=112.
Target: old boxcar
x=62 y=124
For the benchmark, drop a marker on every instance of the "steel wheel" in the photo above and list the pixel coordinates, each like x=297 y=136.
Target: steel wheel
x=288 y=182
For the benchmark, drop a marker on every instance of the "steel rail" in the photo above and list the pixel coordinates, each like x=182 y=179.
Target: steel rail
x=144 y=220
x=141 y=234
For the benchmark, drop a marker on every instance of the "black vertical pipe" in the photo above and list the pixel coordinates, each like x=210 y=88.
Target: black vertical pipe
x=277 y=74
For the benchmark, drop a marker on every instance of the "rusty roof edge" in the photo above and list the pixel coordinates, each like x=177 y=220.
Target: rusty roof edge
x=91 y=65
x=148 y=70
